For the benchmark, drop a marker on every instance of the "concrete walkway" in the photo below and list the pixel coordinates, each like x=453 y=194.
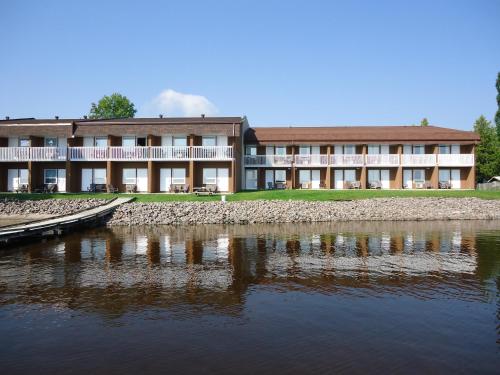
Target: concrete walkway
x=55 y=225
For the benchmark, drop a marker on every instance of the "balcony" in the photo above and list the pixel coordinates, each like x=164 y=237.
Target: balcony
x=313 y=160
x=382 y=160
x=212 y=152
x=88 y=153
x=33 y=153
x=170 y=153
x=137 y=153
x=418 y=160
x=351 y=160
x=455 y=160
x=269 y=160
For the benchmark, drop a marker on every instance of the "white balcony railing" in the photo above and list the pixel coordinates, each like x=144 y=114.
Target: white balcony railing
x=170 y=153
x=136 y=153
x=14 y=153
x=269 y=160
x=455 y=160
x=313 y=160
x=48 y=153
x=212 y=152
x=347 y=160
x=382 y=160
x=418 y=160
x=88 y=153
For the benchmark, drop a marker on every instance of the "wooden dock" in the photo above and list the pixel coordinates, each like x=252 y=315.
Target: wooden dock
x=57 y=225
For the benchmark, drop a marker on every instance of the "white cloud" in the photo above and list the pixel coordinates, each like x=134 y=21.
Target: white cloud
x=172 y=103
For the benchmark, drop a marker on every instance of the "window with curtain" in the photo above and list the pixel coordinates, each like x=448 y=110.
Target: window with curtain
x=50 y=176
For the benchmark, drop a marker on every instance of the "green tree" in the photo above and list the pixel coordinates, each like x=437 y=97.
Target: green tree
x=113 y=106
x=488 y=150
x=424 y=122
x=497 y=115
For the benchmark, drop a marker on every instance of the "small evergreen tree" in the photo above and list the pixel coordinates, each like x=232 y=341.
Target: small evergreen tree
x=424 y=122
x=488 y=150
x=113 y=106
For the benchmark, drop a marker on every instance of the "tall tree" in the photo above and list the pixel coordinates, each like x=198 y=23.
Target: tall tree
x=424 y=122
x=497 y=115
x=488 y=150
x=113 y=106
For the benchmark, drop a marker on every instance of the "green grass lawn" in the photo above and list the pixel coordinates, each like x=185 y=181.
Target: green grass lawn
x=310 y=195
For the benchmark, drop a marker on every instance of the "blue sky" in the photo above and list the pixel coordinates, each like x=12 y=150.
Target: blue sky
x=277 y=62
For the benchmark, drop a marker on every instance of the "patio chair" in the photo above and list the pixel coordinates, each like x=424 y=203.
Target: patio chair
x=280 y=185
x=354 y=185
x=427 y=185
x=131 y=188
x=304 y=185
x=211 y=188
x=185 y=188
x=111 y=189
x=50 y=188
x=375 y=185
x=22 y=188
x=270 y=185
x=444 y=185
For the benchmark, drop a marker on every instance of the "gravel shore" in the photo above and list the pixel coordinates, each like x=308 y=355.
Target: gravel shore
x=46 y=207
x=260 y=211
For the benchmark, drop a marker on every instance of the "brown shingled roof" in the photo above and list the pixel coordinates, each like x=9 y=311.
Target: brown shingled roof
x=358 y=134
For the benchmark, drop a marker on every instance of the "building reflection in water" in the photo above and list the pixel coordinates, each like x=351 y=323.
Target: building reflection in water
x=215 y=265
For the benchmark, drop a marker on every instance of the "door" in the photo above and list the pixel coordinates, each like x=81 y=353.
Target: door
x=384 y=149
x=315 y=178
x=128 y=141
x=455 y=149
x=269 y=179
x=385 y=179
x=304 y=176
x=280 y=175
x=349 y=175
x=407 y=179
x=444 y=176
x=455 y=178
x=339 y=179
x=222 y=140
x=86 y=179
x=165 y=179
x=407 y=149
x=315 y=150
x=349 y=149
x=269 y=150
x=373 y=175
x=223 y=179
x=142 y=179
x=23 y=176
x=251 y=179
x=88 y=141
x=99 y=176
x=13 y=179
x=61 y=180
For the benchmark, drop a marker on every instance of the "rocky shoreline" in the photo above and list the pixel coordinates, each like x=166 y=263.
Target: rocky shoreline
x=261 y=211
x=46 y=207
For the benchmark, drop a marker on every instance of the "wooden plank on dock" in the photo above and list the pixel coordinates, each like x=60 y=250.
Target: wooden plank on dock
x=19 y=231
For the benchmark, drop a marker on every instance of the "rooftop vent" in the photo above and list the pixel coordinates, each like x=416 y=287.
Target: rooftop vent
x=7 y=117
x=56 y=117
x=202 y=115
x=160 y=115
x=85 y=117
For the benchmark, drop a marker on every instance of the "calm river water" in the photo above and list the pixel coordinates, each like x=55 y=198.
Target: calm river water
x=295 y=299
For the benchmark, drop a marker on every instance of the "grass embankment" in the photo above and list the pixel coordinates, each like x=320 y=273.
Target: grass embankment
x=310 y=195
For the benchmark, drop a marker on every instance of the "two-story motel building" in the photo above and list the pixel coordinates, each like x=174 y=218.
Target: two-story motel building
x=153 y=153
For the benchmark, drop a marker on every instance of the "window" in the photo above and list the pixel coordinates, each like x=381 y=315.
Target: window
x=304 y=150
x=99 y=176
x=50 y=142
x=24 y=142
x=210 y=176
x=444 y=175
x=444 y=149
x=141 y=141
x=209 y=141
x=374 y=149
x=50 y=176
x=373 y=175
x=418 y=149
x=251 y=179
x=419 y=175
x=349 y=149
x=280 y=175
x=179 y=141
x=251 y=150
x=178 y=176
x=280 y=150
x=128 y=141
x=129 y=176
x=101 y=141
